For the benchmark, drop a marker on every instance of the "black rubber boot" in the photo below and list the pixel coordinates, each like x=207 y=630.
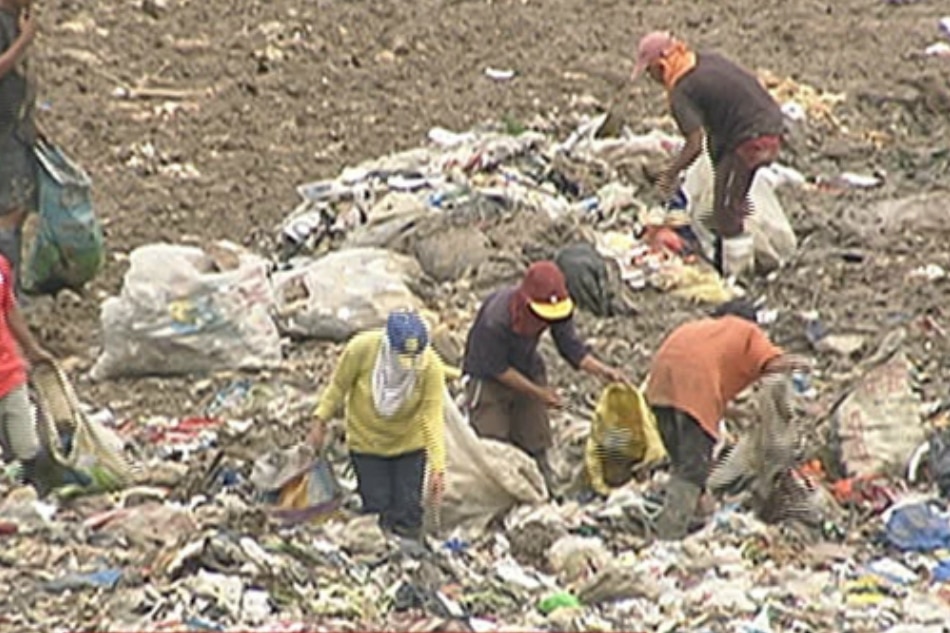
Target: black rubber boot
x=38 y=473
x=679 y=508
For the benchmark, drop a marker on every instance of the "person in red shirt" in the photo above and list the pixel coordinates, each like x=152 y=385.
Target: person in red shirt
x=698 y=370
x=18 y=436
x=715 y=99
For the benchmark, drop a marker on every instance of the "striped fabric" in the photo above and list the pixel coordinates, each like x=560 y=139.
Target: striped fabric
x=761 y=465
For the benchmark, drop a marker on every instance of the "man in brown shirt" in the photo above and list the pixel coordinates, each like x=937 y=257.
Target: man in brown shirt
x=698 y=370
x=508 y=392
x=743 y=126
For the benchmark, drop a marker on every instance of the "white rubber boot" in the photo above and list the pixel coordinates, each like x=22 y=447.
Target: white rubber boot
x=738 y=255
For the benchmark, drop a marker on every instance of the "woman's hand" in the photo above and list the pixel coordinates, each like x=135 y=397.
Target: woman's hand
x=317 y=435
x=436 y=487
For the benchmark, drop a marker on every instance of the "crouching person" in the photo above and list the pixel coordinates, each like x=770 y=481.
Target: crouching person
x=508 y=392
x=699 y=369
x=18 y=434
x=390 y=383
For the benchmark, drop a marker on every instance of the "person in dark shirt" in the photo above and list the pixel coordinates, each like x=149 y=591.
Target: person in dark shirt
x=508 y=392
x=18 y=166
x=743 y=128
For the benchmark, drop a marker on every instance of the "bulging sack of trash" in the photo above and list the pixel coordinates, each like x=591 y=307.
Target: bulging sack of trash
x=877 y=427
x=772 y=234
x=623 y=435
x=484 y=478
x=344 y=292
x=573 y=558
x=275 y=469
x=64 y=241
x=186 y=310
x=93 y=449
x=301 y=487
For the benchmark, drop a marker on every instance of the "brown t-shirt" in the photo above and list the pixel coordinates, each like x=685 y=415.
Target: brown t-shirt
x=727 y=101
x=493 y=347
x=703 y=365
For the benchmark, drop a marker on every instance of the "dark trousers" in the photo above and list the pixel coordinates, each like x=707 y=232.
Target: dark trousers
x=392 y=488
x=734 y=173
x=689 y=446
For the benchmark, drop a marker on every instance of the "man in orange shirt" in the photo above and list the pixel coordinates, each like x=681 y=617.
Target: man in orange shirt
x=698 y=370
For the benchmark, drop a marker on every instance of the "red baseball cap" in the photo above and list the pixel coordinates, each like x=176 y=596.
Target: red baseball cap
x=546 y=288
x=653 y=46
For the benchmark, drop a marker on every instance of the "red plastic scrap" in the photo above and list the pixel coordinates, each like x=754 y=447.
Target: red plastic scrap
x=184 y=430
x=870 y=491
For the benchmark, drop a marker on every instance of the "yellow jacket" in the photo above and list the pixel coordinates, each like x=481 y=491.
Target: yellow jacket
x=419 y=424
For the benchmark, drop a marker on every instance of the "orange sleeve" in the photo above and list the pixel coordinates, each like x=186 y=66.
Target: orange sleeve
x=761 y=350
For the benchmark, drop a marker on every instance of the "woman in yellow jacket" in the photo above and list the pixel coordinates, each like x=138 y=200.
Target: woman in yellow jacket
x=391 y=383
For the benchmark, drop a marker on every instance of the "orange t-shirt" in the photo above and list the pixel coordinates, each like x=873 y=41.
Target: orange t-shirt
x=703 y=365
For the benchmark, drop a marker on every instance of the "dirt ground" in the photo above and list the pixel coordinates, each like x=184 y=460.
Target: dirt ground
x=282 y=92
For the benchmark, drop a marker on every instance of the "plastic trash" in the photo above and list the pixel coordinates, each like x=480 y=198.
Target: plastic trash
x=185 y=310
x=918 y=527
x=484 y=478
x=499 y=74
x=559 y=600
x=877 y=426
x=573 y=558
x=66 y=250
x=344 y=292
x=104 y=579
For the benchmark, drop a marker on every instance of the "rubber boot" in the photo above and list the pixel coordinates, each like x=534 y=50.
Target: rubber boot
x=738 y=255
x=679 y=508
x=38 y=472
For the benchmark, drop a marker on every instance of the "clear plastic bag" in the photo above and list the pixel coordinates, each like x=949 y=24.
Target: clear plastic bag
x=184 y=311
x=344 y=292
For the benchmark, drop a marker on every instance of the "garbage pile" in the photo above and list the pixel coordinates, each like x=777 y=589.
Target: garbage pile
x=228 y=526
x=196 y=544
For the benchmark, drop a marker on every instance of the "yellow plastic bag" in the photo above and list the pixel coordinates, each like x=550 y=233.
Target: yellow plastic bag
x=621 y=408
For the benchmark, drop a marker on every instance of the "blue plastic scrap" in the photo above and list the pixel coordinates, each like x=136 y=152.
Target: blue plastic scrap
x=920 y=527
x=105 y=579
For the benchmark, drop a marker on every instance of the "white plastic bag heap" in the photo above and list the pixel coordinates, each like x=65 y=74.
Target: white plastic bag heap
x=183 y=310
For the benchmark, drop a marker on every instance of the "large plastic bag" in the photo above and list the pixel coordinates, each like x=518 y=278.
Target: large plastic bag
x=484 y=478
x=93 y=449
x=183 y=311
x=344 y=292
x=300 y=486
x=775 y=241
x=66 y=248
x=877 y=426
x=621 y=410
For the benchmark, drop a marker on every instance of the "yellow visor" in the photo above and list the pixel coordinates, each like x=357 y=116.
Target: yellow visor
x=553 y=311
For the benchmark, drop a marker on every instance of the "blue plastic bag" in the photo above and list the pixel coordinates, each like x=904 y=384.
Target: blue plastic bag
x=919 y=527
x=67 y=250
